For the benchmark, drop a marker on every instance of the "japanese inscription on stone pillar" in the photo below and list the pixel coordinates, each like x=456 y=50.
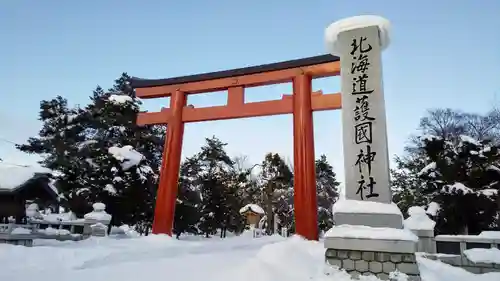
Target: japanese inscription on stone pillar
x=366 y=160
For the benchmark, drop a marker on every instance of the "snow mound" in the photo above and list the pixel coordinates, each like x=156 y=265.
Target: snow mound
x=54 y=231
x=99 y=213
x=12 y=176
x=98 y=207
x=489 y=192
x=252 y=207
x=418 y=219
x=367 y=232
x=124 y=231
x=493 y=168
x=430 y=167
x=98 y=216
x=433 y=208
x=69 y=216
x=127 y=155
x=430 y=138
x=98 y=225
x=120 y=99
x=467 y=139
x=32 y=211
x=110 y=189
x=333 y=30
x=364 y=207
x=294 y=259
x=490 y=234
x=477 y=255
x=457 y=187
x=269 y=258
x=21 y=231
x=437 y=271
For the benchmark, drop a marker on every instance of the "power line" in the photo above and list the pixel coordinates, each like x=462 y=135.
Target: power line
x=14 y=164
x=7 y=141
x=10 y=163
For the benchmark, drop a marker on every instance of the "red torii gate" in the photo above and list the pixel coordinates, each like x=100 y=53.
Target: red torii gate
x=301 y=104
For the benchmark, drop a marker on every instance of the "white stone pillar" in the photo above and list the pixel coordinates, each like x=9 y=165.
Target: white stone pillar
x=421 y=225
x=368 y=226
x=358 y=41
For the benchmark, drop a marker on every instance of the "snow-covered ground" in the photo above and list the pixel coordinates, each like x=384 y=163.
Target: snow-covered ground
x=162 y=258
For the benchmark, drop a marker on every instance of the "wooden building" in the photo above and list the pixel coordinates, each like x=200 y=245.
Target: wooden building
x=20 y=186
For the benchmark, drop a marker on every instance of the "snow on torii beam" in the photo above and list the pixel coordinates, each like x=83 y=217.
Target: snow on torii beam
x=301 y=104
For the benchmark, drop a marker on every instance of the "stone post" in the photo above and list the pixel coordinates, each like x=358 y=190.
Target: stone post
x=359 y=42
x=95 y=220
x=98 y=230
x=366 y=158
x=368 y=237
x=422 y=226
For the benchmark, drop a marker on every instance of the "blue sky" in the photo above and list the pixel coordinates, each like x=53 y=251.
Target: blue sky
x=443 y=54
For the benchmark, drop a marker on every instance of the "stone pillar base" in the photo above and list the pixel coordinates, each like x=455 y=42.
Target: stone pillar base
x=369 y=219
x=369 y=239
x=378 y=263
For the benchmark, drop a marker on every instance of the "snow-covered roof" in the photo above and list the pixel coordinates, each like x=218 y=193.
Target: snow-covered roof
x=14 y=176
x=253 y=208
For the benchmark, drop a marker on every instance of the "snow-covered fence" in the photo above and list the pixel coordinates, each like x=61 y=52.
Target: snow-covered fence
x=474 y=253
x=475 y=260
x=422 y=226
x=68 y=227
x=23 y=234
x=16 y=234
x=56 y=226
x=8 y=228
x=457 y=244
x=74 y=226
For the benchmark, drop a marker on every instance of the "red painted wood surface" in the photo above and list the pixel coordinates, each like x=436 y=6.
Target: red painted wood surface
x=301 y=104
x=169 y=175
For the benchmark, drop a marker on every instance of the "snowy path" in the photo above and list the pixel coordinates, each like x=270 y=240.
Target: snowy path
x=154 y=257
x=161 y=258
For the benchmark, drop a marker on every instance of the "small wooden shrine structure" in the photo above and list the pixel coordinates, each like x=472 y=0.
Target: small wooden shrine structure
x=37 y=189
x=253 y=213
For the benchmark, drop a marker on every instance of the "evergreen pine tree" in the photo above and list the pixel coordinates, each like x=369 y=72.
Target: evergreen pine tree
x=101 y=155
x=216 y=165
x=447 y=124
x=276 y=182
x=187 y=214
x=237 y=185
x=407 y=185
x=327 y=192
x=125 y=183
x=464 y=179
x=60 y=142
